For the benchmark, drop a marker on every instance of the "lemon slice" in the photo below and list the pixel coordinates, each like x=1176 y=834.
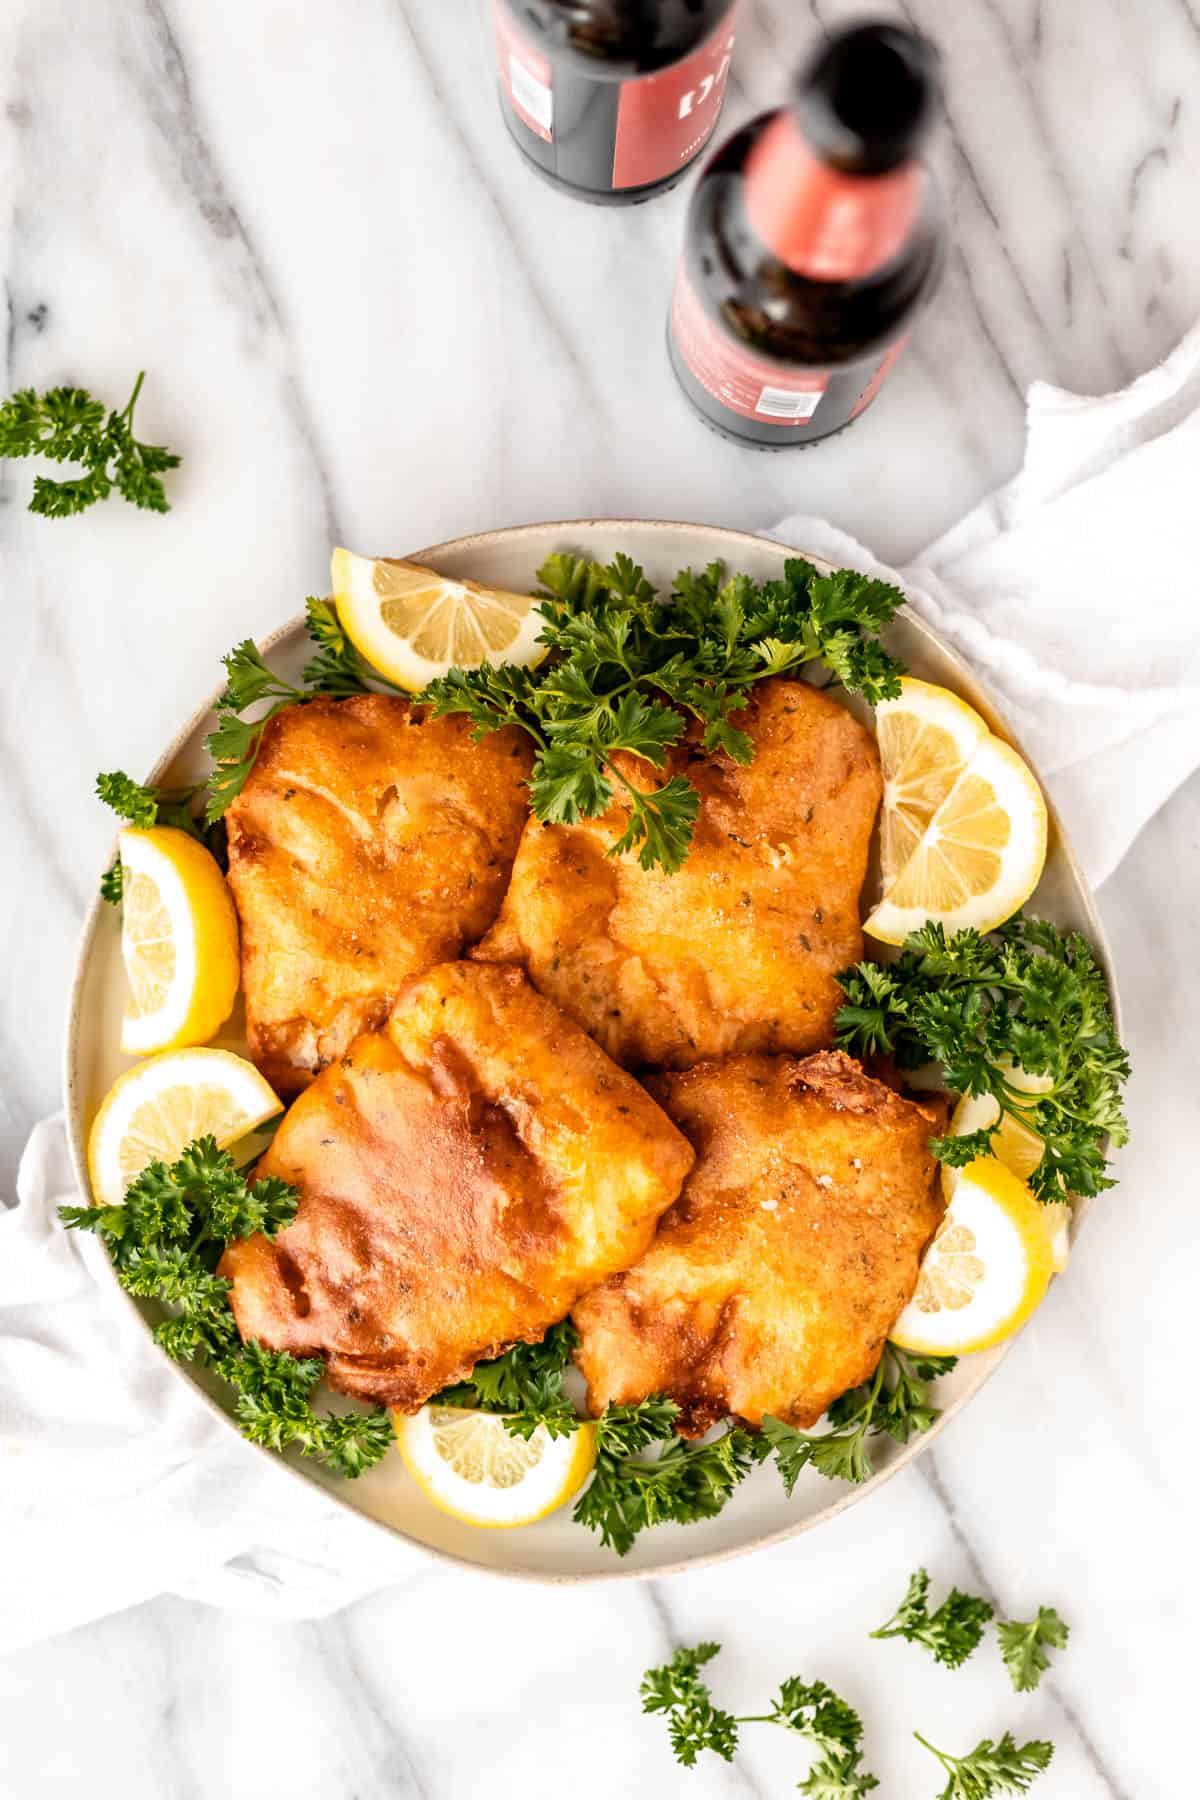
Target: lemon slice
x=475 y=1470
x=980 y=857
x=156 y=1109
x=1019 y=1149
x=986 y=1270
x=926 y=736
x=179 y=939
x=413 y=624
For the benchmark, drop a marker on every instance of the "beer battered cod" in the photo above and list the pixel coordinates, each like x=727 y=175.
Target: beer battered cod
x=464 y=1177
x=370 y=841
x=774 y=1280
x=738 y=950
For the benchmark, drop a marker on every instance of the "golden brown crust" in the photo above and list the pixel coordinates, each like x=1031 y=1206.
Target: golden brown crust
x=369 y=842
x=739 y=949
x=464 y=1176
x=773 y=1281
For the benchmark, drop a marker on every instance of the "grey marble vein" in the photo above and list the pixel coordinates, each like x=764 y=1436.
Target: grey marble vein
x=169 y=103
x=740 y=1779
x=981 y=1582
x=1057 y=171
x=392 y=1766
x=508 y=220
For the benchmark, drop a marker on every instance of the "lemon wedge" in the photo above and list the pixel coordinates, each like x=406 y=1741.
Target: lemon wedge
x=475 y=1470
x=979 y=858
x=157 y=1108
x=413 y=624
x=1019 y=1149
x=179 y=941
x=986 y=1270
x=926 y=736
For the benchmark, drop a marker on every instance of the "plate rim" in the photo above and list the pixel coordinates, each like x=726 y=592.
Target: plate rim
x=681 y=1564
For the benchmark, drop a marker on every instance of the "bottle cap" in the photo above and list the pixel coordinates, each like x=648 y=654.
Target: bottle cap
x=867 y=98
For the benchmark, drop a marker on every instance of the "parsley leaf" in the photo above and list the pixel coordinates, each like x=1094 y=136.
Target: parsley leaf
x=901 y=1410
x=1026 y=997
x=337 y=668
x=991 y=1768
x=951 y=1634
x=66 y=424
x=525 y=1383
x=695 y=1723
x=811 y=1709
x=625 y=668
x=165 y=1242
x=235 y=742
x=631 y=1491
x=1023 y=1646
x=144 y=807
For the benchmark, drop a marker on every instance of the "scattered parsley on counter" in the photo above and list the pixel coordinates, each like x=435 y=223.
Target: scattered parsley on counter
x=165 y=1241
x=626 y=667
x=951 y=1634
x=1026 y=996
x=809 y=1708
x=991 y=1768
x=66 y=424
x=1023 y=1646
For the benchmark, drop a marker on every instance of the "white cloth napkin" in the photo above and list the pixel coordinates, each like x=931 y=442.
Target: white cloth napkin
x=1071 y=591
x=116 y=1481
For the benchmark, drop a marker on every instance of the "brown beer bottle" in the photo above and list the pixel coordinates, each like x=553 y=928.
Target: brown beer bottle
x=813 y=236
x=612 y=99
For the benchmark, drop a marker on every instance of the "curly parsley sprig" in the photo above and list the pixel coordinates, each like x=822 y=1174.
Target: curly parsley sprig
x=336 y=669
x=630 y=1490
x=647 y=1475
x=66 y=424
x=165 y=1241
x=951 y=1634
x=1026 y=997
x=525 y=1384
x=895 y=1402
x=626 y=667
x=991 y=1768
x=144 y=807
x=809 y=1708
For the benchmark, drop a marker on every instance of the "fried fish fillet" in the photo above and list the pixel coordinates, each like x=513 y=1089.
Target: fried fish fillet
x=464 y=1176
x=738 y=951
x=371 y=841
x=773 y=1281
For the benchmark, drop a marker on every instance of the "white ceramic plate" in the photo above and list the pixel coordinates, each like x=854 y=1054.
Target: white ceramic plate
x=557 y=1549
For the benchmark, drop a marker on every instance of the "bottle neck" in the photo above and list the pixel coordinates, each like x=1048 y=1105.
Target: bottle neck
x=819 y=221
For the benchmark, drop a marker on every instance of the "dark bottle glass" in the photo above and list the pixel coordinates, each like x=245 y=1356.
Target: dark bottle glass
x=813 y=236
x=612 y=99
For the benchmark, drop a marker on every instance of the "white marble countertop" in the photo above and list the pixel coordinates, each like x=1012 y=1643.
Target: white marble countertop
x=364 y=321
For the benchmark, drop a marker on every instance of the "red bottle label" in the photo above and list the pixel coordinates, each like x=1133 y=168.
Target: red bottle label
x=662 y=120
x=818 y=221
x=757 y=387
x=525 y=75
x=665 y=118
